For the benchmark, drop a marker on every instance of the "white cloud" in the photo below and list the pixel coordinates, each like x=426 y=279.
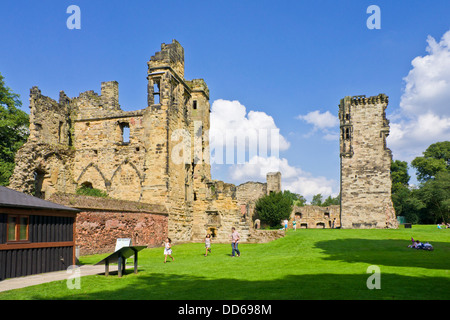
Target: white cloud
x=241 y=133
x=292 y=178
x=324 y=122
x=425 y=104
x=230 y=122
x=320 y=120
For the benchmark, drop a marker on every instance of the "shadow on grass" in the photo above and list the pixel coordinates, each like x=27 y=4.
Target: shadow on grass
x=294 y=287
x=386 y=252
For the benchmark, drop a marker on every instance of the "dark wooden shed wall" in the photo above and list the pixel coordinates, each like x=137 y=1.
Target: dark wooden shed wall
x=50 y=246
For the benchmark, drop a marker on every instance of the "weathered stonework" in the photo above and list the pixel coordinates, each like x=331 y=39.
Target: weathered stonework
x=365 y=163
x=315 y=217
x=156 y=155
x=103 y=221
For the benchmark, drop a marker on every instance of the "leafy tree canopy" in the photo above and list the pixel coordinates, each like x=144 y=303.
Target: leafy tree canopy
x=14 y=125
x=274 y=207
x=434 y=160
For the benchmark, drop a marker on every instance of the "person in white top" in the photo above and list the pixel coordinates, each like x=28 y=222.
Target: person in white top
x=234 y=242
x=207 y=244
x=168 y=249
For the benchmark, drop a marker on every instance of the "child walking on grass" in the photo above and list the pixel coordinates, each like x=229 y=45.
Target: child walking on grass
x=168 y=249
x=207 y=244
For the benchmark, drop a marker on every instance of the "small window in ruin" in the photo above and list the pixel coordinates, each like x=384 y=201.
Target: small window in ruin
x=87 y=185
x=156 y=92
x=212 y=232
x=347 y=116
x=60 y=131
x=326 y=215
x=320 y=225
x=347 y=133
x=39 y=176
x=298 y=215
x=194 y=105
x=125 y=128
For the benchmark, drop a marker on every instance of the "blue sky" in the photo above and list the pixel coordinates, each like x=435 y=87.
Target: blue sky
x=284 y=59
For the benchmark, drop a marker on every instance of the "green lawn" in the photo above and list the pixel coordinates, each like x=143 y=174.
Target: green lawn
x=306 y=264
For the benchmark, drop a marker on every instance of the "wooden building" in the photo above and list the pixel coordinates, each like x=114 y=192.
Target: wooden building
x=36 y=236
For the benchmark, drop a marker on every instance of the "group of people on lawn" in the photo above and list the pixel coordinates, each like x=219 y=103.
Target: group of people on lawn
x=234 y=245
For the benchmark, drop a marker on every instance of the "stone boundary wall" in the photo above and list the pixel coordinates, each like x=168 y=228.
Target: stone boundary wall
x=105 y=220
x=97 y=232
x=264 y=236
x=315 y=217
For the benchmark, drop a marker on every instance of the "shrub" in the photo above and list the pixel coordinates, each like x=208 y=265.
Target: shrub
x=86 y=190
x=274 y=207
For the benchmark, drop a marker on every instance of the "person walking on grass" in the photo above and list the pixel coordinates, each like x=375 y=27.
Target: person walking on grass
x=234 y=242
x=207 y=244
x=168 y=249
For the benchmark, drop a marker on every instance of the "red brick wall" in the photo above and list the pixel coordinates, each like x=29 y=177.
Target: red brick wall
x=97 y=232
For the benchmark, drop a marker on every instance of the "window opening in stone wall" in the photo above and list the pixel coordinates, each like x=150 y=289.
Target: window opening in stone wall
x=194 y=105
x=125 y=128
x=347 y=133
x=326 y=215
x=87 y=185
x=38 y=181
x=320 y=225
x=69 y=134
x=60 y=131
x=212 y=232
x=156 y=92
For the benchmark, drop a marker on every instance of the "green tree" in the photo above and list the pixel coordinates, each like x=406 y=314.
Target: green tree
x=317 y=200
x=407 y=203
x=274 y=207
x=399 y=175
x=14 y=125
x=297 y=199
x=434 y=160
x=332 y=201
x=435 y=194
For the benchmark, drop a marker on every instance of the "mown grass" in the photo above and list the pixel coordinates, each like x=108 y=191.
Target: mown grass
x=306 y=264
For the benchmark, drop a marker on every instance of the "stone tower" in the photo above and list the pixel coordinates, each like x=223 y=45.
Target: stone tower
x=178 y=113
x=365 y=163
x=273 y=182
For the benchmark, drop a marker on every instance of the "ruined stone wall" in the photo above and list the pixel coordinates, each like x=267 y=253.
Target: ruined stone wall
x=365 y=163
x=315 y=217
x=103 y=221
x=83 y=141
x=273 y=182
x=97 y=231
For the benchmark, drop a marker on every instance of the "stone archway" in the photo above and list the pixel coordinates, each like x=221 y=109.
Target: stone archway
x=126 y=182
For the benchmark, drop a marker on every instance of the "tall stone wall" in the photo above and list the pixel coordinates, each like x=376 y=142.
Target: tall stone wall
x=365 y=163
x=155 y=155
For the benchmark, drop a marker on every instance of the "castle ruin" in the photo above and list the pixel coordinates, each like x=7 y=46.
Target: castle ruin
x=157 y=155
x=365 y=163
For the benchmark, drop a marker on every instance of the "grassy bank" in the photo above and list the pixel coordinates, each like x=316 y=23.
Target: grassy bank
x=306 y=264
